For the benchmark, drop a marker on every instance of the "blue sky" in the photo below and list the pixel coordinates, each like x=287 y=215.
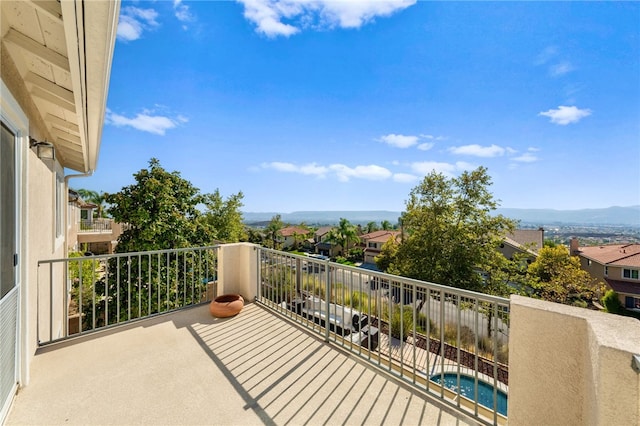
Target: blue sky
x=316 y=105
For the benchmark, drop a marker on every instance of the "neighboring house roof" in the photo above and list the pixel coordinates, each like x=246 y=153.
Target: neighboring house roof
x=293 y=230
x=379 y=236
x=519 y=246
x=323 y=230
x=533 y=239
x=615 y=255
x=623 y=286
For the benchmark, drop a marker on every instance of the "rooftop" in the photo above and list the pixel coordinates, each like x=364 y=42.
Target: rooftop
x=616 y=254
x=190 y=368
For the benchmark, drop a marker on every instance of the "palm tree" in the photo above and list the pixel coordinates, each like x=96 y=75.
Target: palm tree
x=386 y=225
x=273 y=229
x=343 y=234
x=97 y=198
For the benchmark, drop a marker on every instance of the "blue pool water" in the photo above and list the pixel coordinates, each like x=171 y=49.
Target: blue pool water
x=467 y=384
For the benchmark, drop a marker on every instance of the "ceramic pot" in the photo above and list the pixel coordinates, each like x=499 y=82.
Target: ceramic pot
x=226 y=305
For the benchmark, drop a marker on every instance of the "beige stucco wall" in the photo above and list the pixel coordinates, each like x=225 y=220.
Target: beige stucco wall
x=571 y=366
x=37 y=213
x=238 y=270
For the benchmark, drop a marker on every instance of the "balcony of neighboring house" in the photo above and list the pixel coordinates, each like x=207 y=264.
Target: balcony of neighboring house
x=128 y=338
x=98 y=235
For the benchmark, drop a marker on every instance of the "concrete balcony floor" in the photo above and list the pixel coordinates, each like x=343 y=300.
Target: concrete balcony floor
x=190 y=368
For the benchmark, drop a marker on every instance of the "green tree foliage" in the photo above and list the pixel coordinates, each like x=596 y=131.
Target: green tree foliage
x=223 y=217
x=386 y=225
x=387 y=254
x=450 y=234
x=343 y=235
x=611 y=302
x=161 y=211
x=272 y=231
x=371 y=227
x=556 y=276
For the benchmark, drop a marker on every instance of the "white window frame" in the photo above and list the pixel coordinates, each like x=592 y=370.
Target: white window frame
x=631 y=271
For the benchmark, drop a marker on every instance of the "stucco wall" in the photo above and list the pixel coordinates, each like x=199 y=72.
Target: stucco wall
x=237 y=270
x=571 y=366
x=36 y=196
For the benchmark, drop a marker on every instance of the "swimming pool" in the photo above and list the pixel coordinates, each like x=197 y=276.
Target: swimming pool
x=467 y=384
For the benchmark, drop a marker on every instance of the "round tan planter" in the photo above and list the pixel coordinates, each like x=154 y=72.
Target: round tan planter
x=226 y=305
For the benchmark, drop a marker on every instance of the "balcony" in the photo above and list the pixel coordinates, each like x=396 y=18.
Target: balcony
x=146 y=350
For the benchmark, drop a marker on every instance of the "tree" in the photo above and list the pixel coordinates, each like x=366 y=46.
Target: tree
x=223 y=217
x=611 y=302
x=371 y=227
x=161 y=211
x=556 y=276
x=273 y=230
x=450 y=235
x=97 y=198
x=387 y=254
x=343 y=234
x=386 y=225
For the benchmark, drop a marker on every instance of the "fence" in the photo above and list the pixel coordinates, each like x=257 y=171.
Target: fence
x=95 y=225
x=449 y=342
x=85 y=293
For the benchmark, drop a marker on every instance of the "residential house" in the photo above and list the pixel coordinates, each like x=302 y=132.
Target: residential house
x=618 y=265
x=322 y=246
x=292 y=236
x=525 y=241
x=55 y=60
x=372 y=243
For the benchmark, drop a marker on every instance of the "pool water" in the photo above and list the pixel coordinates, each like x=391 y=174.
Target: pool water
x=467 y=384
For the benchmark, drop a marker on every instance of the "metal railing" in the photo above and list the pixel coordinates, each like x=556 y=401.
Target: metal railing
x=81 y=294
x=95 y=225
x=448 y=342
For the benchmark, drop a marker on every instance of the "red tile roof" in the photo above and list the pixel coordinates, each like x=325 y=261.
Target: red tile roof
x=290 y=230
x=379 y=236
x=616 y=255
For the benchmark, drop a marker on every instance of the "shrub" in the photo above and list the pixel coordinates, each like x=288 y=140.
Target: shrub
x=611 y=302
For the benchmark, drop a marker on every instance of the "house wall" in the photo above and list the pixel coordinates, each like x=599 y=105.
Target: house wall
x=569 y=365
x=234 y=274
x=36 y=195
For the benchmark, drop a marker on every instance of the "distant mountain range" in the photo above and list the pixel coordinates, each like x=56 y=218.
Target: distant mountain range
x=606 y=216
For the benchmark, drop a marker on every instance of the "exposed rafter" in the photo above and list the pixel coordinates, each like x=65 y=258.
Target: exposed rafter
x=35 y=48
x=61 y=123
x=47 y=96
x=50 y=87
x=52 y=8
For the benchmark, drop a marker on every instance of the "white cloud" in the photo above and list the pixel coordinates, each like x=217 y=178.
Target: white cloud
x=407 y=141
x=183 y=13
x=399 y=141
x=342 y=172
x=370 y=172
x=426 y=146
x=268 y=15
x=145 y=121
x=560 y=69
x=546 y=55
x=526 y=158
x=478 y=151
x=566 y=114
x=405 y=178
x=447 y=169
x=133 y=21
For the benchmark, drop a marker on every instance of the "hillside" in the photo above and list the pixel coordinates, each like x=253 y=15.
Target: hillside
x=605 y=216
